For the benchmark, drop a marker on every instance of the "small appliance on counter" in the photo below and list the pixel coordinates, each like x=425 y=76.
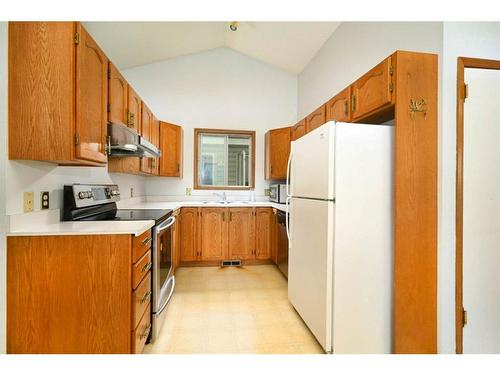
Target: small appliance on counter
x=98 y=203
x=277 y=193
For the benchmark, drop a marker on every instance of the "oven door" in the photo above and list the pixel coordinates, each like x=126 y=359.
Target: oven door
x=163 y=282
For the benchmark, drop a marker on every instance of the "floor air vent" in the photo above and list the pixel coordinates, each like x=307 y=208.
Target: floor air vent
x=227 y=263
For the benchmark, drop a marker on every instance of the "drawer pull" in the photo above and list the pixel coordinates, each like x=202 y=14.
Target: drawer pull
x=147 y=241
x=145 y=297
x=145 y=333
x=146 y=267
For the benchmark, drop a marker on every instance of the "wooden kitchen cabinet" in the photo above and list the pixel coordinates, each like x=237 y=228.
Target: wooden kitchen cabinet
x=117 y=97
x=155 y=139
x=189 y=244
x=134 y=114
x=277 y=144
x=214 y=233
x=171 y=150
x=298 y=130
x=264 y=220
x=84 y=294
x=241 y=233
x=316 y=119
x=338 y=108
x=373 y=91
x=58 y=94
x=274 y=236
x=146 y=122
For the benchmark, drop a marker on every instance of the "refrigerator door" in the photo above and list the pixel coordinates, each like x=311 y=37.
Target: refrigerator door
x=310 y=265
x=312 y=164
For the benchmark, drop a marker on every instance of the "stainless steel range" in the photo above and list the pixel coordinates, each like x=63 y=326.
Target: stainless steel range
x=98 y=202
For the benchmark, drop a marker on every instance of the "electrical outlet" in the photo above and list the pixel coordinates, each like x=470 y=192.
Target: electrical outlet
x=131 y=192
x=267 y=192
x=44 y=200
x=29 y=198
x=188 y=191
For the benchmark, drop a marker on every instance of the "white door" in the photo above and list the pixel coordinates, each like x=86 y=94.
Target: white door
x=310 y=265
x=312 y=160
x=481 y=220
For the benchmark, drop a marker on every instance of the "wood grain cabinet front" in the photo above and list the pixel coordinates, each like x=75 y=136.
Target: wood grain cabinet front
x=316 y=119
x=277 y=144
x=213 y=232
x=338 y=108
x=141 y=332
x=141 y=268
x=241 y=233
x=58 y=94
x=171 y=150
x=117 y=97
x=373 y=91
x=141 y=298
x=298 y=130
x=264 y=220
x=134 y=115
x=189 y=246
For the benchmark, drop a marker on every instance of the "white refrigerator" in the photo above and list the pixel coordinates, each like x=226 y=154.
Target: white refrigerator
x=340 y=199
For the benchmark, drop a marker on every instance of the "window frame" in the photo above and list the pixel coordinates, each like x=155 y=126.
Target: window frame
x=197 y=133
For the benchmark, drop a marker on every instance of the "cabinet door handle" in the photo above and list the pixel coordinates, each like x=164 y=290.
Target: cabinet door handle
x=145 y=297
x=145 y=333
x=147 y=241
x=354 y=104
x=146 y=267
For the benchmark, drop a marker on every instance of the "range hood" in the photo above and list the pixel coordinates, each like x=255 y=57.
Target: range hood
x=125 y=142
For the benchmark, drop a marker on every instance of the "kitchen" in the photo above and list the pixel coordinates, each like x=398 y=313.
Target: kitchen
x=187 y=192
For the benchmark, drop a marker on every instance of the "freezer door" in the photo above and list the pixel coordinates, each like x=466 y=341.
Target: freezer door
x=310 y=265
x=312 y=164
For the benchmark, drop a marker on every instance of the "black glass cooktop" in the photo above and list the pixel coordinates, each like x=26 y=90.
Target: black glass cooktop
x=156 y=215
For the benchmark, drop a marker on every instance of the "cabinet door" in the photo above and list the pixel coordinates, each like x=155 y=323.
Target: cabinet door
x=241 y=236
x=298 y=130
x=274 y=236
x=146 y=165
x=277 y=152
x=155 y=139
x=214 y=233
x=189 y=234
x=263 y=228
x=372 y=91
x=171 y=150
x=134 y=117
x=117 y=96
x=147 y=122
x=316 y=119
x=91 y=99
x=338 y=108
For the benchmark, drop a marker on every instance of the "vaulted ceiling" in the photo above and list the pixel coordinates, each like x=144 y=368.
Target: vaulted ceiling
x=286 y=45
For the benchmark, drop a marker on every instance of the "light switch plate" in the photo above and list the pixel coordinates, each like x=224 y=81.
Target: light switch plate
x=188 y=191
x=29 y=198
x=267 y=192
x=131 y=192
x=44 y=200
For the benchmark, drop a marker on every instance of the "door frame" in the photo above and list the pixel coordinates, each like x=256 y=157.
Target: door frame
x=462 y=64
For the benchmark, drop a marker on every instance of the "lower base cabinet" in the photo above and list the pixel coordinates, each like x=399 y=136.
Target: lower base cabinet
x=78 y=294
x=212 y=234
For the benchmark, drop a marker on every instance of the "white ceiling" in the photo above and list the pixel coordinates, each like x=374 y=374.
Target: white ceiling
x=286 y=45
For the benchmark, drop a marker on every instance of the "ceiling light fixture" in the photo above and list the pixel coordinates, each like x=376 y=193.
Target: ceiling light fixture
x=233 y=26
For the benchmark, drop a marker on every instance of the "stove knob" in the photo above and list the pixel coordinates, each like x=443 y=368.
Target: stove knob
x=90 y=194
x=81 y=195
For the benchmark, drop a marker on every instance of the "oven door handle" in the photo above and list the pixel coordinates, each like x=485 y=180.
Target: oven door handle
x=168 y=223
x=169 y=296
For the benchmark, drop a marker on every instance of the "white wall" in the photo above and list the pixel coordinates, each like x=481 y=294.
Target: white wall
x=468 y=39
x=3 y=146
x=220 y=89
x=353 y=49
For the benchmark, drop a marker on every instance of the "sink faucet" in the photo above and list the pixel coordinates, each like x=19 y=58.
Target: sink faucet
x=222 y=196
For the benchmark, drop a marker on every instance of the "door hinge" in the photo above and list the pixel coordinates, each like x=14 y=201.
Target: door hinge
x=109 y=73
x=77 y=139
x=76 y=38
x=466 y=91
x=464 y=317
x=391 y=70
x=391 y=87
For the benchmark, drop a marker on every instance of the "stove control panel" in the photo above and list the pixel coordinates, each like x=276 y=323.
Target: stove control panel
x=89 y=195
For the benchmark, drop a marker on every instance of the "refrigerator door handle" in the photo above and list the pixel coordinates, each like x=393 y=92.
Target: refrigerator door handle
x=287 y=222
x=288 y=173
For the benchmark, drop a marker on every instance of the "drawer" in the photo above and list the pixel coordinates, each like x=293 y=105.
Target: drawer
x=141 y=333
x=141 y=268
x=141 y=298
x=140 y=245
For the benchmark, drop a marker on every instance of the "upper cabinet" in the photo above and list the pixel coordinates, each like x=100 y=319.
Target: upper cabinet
x=338 y=108
x=277 y=152
x=57 y=94
x=134 y=114
x=146 y=122
x=373 y=91
x=298 y=130
x=171 y=150
x=117 y=97
x=316 y=119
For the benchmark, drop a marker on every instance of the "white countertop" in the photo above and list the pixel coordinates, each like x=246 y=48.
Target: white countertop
x=47 y=223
